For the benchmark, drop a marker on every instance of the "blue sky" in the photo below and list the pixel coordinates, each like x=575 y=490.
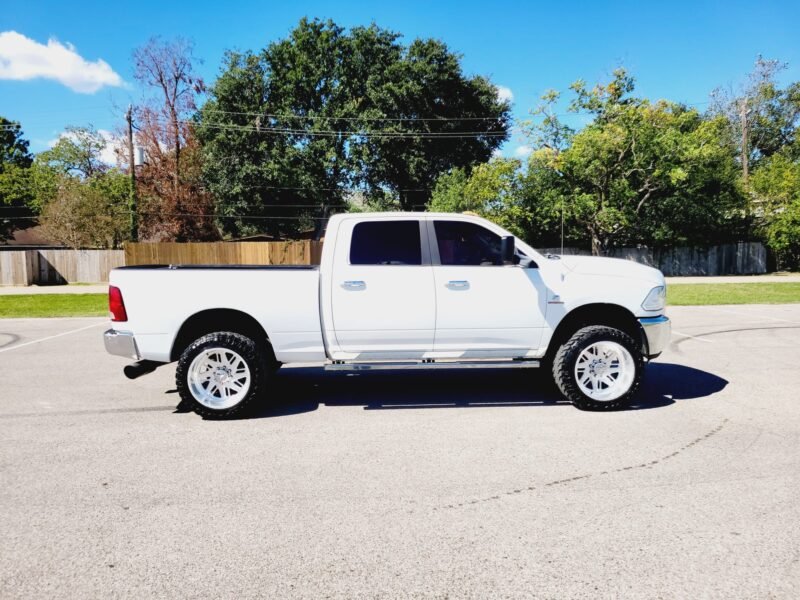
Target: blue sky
x=676 y=50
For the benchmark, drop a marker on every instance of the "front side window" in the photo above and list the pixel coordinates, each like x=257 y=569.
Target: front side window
x=463 y=243
x=386 y=243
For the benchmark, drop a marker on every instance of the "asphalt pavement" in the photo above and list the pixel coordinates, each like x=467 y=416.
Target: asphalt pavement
x=438 y=484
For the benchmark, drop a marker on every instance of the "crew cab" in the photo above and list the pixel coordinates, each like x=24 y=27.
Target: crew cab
x=394 y=290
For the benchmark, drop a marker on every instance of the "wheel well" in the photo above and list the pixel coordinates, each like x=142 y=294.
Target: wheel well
x=611 y=315
x=220 y=319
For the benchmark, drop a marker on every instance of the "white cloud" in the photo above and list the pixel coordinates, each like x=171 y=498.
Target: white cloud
x=504 y=94
x=497 y=153
x=113 y=146
x=522 y=151
x=22 y=58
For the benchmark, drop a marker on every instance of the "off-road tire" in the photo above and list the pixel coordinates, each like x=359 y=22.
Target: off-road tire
x=254 y=356
x=568 y=353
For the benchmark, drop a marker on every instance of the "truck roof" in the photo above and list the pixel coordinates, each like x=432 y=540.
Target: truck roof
x=390 y=214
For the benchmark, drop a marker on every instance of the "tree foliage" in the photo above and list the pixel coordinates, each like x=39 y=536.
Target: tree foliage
x=173 y=203
x=640 y=172
x=296 y=126
x=491 y=190
x=82 y=201
x=77 y=152
x=15 y=195
x=777 y=184
x=85 y=214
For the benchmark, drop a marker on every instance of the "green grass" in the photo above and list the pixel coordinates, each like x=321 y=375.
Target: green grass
x=54 y=305
x=686 y=294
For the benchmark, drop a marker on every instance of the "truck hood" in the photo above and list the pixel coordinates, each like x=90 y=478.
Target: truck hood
x=611 y=267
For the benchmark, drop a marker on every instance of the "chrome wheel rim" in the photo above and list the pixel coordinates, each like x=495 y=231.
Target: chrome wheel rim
x=219 y=378
x=605 y=371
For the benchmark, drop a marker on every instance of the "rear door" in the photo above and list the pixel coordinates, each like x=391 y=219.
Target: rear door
x=382 y=288
x=484 y=308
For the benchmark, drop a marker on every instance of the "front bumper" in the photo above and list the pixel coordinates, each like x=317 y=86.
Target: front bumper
x=121 y=343
x=657 y=331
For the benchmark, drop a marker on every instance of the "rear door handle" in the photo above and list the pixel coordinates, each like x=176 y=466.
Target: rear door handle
x=354 y=285
x=458 y=284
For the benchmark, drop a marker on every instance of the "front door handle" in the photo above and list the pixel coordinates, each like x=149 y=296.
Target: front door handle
x=354 y=285
x=458 y=284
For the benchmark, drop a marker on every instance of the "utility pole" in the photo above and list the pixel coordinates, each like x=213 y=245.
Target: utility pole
x=746 y=166
x=745 y=144
x=132 y=166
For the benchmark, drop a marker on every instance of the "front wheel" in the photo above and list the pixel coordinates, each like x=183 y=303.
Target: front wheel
x=599 y=368
x=221 y=373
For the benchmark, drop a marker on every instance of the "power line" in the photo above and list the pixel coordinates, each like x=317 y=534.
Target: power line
x=295 y=116
x=354 y=133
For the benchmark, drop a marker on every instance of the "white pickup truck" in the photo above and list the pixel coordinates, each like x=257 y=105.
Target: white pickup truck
x=394 y=290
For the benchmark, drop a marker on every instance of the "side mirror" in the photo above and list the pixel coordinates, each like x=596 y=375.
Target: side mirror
x=508 y=250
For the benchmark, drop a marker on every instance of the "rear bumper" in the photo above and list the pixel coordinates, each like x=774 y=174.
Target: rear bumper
x=121 y=343
x=657 y=330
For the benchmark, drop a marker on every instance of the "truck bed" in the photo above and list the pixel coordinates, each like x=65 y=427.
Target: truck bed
x=220 y=267
x=284 y=299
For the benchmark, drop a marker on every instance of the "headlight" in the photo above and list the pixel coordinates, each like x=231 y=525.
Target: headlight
x=656 y=299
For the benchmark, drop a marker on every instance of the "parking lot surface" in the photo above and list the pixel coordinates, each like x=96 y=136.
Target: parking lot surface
x=437 y=484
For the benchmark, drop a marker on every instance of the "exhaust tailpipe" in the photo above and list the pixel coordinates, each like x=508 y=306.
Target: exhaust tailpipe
x=137 y=369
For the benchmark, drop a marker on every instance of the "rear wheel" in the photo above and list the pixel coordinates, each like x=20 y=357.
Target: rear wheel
x=599 y=368
x=220 y=374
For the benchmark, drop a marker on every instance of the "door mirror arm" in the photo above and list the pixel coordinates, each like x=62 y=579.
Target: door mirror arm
x=508 y=250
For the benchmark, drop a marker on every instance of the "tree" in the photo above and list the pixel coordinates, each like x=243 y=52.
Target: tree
x=13 y=147
x=777 y=185
x=82 y=200
x=86 y=214
x=168 y=67
x=77 y=152
x=174 y=205
x=545 y=129
x=448 y=121
x=15 y=161
x=492 y=190
x=762 y=118
x=635 y=160
x=296 y=127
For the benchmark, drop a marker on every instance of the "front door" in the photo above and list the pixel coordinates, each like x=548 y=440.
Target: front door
x=382 y=289
x=483 y=308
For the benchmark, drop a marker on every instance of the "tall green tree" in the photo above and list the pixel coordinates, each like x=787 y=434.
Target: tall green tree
x=762 y=117
x=491 y=190
x=638 y=173
x=295 y=127
x=776 y=183
x=15 y=162
x=88 y=213
x=636 y=162
x=77 y=152
x=82 y=200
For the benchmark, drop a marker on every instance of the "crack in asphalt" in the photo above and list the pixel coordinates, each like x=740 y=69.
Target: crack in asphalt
x=674 y=344
x=568 y=480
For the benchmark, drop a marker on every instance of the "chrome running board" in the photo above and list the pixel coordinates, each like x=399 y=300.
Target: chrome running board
x=340 y=365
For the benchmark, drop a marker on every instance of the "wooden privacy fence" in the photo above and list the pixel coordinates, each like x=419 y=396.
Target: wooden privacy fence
x=44 y=267
x=742 y=258
x=224 y=253
x=50 y=267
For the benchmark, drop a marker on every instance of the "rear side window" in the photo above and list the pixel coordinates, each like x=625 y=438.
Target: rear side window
x=386 y=243
x=462 y=243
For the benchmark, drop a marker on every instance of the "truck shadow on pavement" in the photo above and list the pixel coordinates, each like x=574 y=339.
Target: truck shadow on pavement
x=302 y=389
